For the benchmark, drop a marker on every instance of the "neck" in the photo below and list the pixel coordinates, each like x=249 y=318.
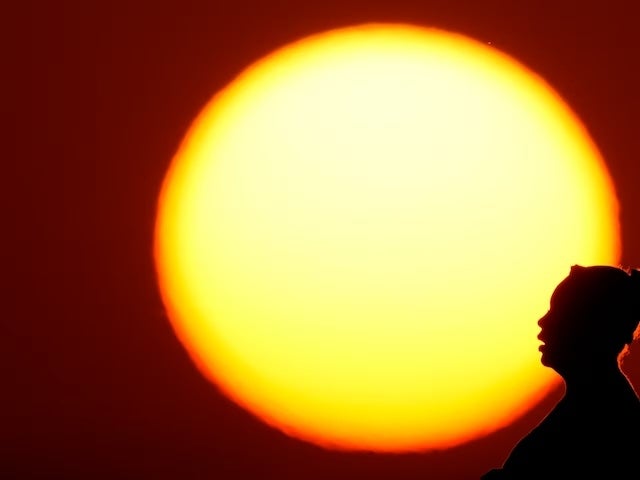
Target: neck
x=597 y=376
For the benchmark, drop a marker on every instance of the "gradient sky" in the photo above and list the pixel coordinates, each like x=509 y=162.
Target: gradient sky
x=95 y=385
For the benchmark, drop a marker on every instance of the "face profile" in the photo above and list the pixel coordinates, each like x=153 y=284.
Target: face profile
x=558 y=330
x=592 y=317
x=592 y=320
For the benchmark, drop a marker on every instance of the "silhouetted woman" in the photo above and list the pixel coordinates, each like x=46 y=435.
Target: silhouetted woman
x=594 y=430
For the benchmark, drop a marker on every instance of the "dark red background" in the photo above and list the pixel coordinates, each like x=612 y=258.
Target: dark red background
x=97 y=96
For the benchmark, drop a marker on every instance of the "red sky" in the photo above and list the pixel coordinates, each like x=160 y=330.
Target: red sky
x=95 y=385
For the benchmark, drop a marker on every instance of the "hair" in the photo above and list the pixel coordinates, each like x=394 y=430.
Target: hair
x=612 y=293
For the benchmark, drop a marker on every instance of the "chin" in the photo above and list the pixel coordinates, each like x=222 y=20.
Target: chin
x=544 y=360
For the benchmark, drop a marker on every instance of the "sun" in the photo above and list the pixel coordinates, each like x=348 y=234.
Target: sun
x=356 y=237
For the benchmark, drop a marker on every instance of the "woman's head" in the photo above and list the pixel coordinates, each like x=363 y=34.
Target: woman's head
x=594 y=314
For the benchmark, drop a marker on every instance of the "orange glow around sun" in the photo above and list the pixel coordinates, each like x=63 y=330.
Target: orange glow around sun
x=357 y=236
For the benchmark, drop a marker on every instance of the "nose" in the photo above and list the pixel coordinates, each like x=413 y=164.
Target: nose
x=543 y=320
x=541 y=323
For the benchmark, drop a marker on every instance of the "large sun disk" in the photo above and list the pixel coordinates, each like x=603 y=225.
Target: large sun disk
x=357 y=236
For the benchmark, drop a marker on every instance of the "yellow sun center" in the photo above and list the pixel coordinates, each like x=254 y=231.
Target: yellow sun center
x=357 y=236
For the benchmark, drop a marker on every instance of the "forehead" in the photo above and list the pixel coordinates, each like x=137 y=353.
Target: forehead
x=591 y=287
x=579 y=288
x=566 y=292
